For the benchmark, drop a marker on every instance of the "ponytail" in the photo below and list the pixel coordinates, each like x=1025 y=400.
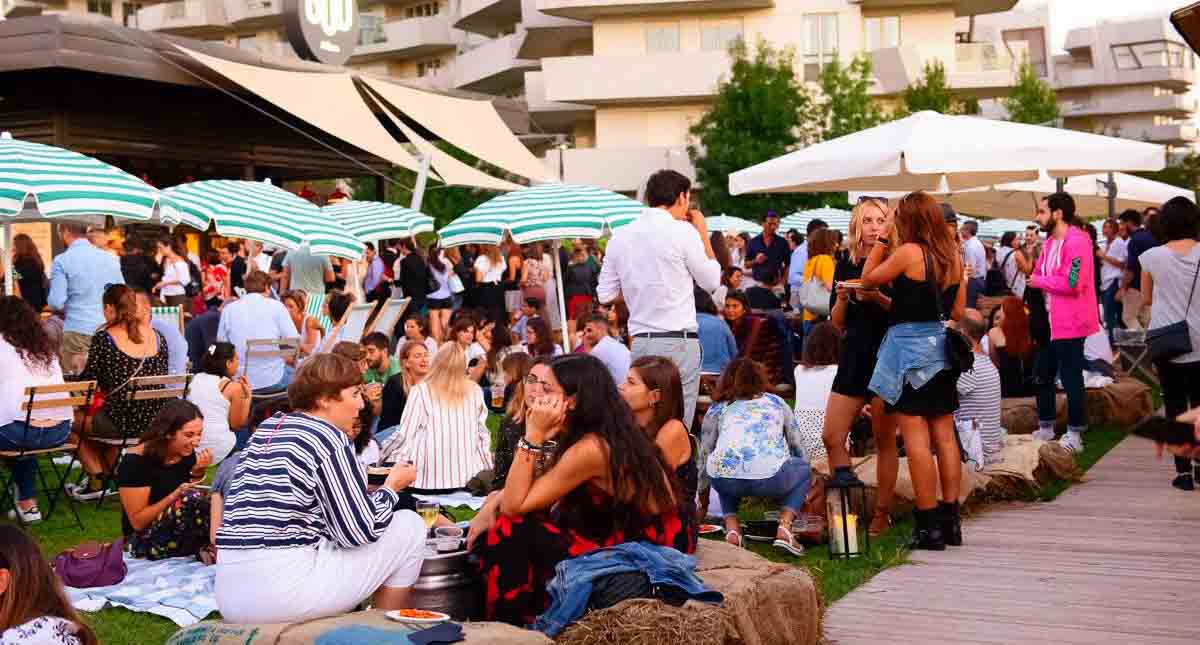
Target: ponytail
x=125 y=307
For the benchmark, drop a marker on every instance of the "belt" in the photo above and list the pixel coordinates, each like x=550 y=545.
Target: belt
x=667 y=334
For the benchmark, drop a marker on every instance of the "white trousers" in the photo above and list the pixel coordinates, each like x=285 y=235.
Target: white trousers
x=305 y=583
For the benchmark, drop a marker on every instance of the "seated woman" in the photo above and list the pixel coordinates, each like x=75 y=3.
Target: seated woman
x=310 y=328
x=750 y=446
x=717 y=343
x=653 y=390
x=162 y=515
x=125 y=347
x=814 y=382
x=512 y=426
x=539 y=341
x=299 y=526
x=337 y=304
x=223 y=400
x=366 y=449
x=414 y=359
x=1011 y=348
x=416 y=329
x=607 y=484
x=744 y=325
x=34 y=608
x=27 y=358
x=444 y=426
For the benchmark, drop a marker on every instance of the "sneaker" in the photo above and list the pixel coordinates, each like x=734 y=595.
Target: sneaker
x=26 y=516
x=1184 y=481
x=1072 y=441
x=1044 y=434
x=81 y=493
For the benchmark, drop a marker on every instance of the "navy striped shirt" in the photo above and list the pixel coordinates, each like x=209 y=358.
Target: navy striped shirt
x=298 y=483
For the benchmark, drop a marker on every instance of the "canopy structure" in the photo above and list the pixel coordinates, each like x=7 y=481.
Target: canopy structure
x=943 y=153
x=371 y=221
x=835 y=218
x=731 y=224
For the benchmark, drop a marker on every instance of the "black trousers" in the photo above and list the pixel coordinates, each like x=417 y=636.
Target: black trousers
x=1180 y=392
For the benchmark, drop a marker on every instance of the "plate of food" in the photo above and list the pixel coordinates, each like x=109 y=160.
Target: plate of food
x=417 y=616
x=706 y=529
x=851 y=284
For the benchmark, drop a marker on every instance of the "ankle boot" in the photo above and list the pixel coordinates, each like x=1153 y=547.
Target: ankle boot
x=951 y=523
x=928 y=532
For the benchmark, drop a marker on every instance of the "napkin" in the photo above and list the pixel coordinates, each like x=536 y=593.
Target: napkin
x=443 y=633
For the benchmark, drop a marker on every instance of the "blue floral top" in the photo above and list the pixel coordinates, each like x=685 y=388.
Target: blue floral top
x=45 y=630
x=748 y=439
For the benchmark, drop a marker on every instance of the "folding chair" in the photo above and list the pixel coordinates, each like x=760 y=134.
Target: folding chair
x=1132 y=351
x=77 y=394
x=172 y=315
x=313 y=307
x=143 y=388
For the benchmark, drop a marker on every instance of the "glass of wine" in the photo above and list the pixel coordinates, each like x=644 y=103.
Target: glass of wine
x=428 y=512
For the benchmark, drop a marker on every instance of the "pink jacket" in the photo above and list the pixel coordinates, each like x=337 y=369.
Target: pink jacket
x=1066 y=273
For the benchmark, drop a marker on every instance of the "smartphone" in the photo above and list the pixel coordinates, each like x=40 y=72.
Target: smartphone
x=1166 y=431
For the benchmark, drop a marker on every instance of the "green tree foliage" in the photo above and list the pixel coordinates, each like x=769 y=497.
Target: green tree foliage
x=1184 y=173
x=761 y=111
x=1032 y=100
x=931 y=92
x=848 y=106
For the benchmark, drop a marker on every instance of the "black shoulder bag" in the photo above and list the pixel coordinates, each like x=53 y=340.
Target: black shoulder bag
x=1173 y=340
x=959 y=354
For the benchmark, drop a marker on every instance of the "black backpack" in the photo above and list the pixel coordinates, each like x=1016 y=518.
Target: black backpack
x=192 y=288
x=994 y=283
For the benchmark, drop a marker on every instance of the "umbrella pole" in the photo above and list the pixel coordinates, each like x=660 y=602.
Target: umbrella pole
x=7 y=258
x=1112 y=196
x=562 y=305
x=422 y=177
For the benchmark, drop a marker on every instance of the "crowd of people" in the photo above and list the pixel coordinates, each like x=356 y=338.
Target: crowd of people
x=670 y=389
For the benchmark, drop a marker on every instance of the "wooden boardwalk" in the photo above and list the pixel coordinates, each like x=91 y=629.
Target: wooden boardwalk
x=1115 y=559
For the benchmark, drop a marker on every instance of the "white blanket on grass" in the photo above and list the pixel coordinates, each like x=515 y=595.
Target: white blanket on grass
x=179 y=589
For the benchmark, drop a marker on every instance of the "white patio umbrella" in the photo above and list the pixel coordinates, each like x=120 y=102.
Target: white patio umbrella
x=938 y=152
x=730 y=224
x=836 y=218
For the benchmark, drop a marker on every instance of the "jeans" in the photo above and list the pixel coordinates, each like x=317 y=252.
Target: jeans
x=13 y=437
x=1180 y=392
x=288 y=372
x=789 y=485
x=1112 y=308
x=685 y=353
x=1062 y=358
x=975 y=286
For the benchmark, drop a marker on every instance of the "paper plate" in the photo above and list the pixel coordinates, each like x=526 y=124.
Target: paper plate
x=426 y=617
x=706 y=529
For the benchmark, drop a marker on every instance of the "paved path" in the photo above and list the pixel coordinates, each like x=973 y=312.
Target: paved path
x=1115 y=559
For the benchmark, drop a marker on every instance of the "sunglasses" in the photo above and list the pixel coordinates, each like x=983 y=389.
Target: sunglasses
x=871 y=198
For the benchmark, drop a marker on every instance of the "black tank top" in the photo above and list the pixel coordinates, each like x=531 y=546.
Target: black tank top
x=912 y=301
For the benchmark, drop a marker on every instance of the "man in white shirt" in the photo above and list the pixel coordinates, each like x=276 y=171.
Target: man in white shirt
x=1113 y=253
x=651 y=264
x=259 y=261
x=256 y=317
x=975 y=259
x=609 y=350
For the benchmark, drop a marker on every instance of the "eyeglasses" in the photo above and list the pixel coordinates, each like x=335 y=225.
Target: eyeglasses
x=532 y=380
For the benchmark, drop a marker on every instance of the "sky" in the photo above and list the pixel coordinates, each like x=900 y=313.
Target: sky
x=1069 y=14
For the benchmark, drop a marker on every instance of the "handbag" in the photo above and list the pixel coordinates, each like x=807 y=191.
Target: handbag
x=92 y=564
x=959 y=354
x=456 y=284
x=994 y=283
x=814 y=297
x=1173 y=340
x=431 y=283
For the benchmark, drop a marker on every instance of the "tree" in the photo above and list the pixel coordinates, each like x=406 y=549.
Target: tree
x=930 y=92
x=1032 y=100
x=760 y=112
x=848 y=107
x=1183 y=172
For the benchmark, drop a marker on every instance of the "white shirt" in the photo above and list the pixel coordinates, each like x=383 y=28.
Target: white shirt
x=255 y=317
x=448 y=444
x=176 y=271
x=813 y=386
x=1118 y=249
x=975 y=256
x=615 y=357
x=492 y=273
x=652 y=262
x=19 y=375
x=1013 y=275
x=205 y=392
x=262 y=262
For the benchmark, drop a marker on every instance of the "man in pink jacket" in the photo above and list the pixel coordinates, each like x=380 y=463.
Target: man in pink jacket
x=1065 y=273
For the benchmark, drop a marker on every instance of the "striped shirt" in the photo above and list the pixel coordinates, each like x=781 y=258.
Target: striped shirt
x=979 y=399
x=448 y=444
x=298 y=483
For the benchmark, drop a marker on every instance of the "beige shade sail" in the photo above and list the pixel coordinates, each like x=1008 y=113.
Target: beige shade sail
x=472 y=126
x=329 y=101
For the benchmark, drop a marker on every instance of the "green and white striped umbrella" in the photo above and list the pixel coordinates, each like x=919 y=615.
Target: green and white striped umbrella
x=731 y=224
x=542 y=212
x=371 y=221
x=836 y=218
x=63 y=183
x=262 y=212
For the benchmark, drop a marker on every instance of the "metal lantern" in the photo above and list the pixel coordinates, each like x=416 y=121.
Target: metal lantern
x=848 y=520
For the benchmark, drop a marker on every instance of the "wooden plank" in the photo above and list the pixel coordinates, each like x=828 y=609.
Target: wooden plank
x=1112 y=560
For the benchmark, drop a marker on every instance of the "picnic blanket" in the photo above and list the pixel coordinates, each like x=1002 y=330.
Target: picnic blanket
x=180 y=589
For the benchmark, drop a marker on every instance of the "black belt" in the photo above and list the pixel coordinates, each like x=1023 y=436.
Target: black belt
x=667 y=334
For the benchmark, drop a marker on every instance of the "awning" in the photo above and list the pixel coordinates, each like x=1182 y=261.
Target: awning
x=469 y=125
x=453 y=171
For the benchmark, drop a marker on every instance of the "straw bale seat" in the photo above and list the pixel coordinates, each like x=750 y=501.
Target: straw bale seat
x=1124 y=403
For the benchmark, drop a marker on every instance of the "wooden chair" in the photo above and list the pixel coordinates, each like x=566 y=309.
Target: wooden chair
x=78 y=394
x=143 y=388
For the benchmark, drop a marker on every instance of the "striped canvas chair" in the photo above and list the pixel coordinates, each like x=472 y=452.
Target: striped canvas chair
x=313 y=309
x=172 y=315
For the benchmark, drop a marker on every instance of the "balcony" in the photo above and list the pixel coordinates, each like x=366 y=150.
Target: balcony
x=1175 y=78
x=592 y=9
x=623 y=170
x=488 y=17
x=21 y=8
x=408 y=38
x=439 y=81
x=196 y=18
x=492 y=68
x=981 y=69
x=1178 y=134
x=552 y=116
x=255 y=14
x=1169 y=104
x=596 y=80
x=547 y=36
x=961 y=7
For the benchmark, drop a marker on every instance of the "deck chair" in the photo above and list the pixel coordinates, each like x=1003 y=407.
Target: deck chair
x=43 y=397
x=386 y=318
x=142 y=388
x=313 y=307
x=260 y=349
x=172 y=315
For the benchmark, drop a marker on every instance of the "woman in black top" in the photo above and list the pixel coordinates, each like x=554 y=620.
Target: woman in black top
x=414 y=365
x=862 y=317
x=512 y=426
x=31 y=272
x=163 y=516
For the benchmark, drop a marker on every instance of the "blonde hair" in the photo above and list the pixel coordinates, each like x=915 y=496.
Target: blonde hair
x=492 y=252
x=447 y=379
x=856 y=216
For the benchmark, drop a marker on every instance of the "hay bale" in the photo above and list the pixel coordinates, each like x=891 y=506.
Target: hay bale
x=647 y=622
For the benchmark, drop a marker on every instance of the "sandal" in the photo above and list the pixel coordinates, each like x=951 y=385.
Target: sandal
x=736 y=536
x=788 y=544
x=207 y=555
x=881 y=521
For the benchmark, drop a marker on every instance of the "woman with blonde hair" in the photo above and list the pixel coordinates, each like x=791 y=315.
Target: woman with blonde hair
x=912 y=374
x=444 y=426
x=861 y=317
x=414 y=359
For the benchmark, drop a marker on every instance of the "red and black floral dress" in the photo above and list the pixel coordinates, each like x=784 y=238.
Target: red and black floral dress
x=518 y=555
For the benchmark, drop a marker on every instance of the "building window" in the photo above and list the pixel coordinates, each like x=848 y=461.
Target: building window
x=428 y=67
x=1159 y=53
x=101 y=7
x=820 y=42
x=423 y=10
x=720 y=37
x=130 y=11
x=882 y=32
x=370 y=29
x=662 y=38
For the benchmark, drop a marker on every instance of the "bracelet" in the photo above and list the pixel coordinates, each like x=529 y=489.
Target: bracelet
x=528 y=446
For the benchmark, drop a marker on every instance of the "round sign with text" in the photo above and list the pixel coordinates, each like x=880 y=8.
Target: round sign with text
x=325 y=31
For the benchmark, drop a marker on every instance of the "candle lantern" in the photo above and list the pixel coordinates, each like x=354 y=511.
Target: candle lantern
x=846 y=510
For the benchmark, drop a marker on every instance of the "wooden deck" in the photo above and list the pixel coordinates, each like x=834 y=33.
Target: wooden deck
x=1115 y=559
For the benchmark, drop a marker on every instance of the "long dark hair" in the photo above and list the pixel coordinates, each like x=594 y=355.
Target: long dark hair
x=216 y=358
x=23 y=247
x=33 y=590
x=123 y=300
x=433 y=257
x=661 y=374
x=501 y=340
x=545 y=343
x=173 y=415
x=639 y=474
x=20 y=326
x=720 y=249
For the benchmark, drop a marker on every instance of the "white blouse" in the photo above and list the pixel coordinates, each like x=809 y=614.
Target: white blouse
x=176 y=271
x=492 y=273
x=449 y=444
x=19 y=375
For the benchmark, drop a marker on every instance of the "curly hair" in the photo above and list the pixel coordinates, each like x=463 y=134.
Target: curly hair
x=20 y=326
